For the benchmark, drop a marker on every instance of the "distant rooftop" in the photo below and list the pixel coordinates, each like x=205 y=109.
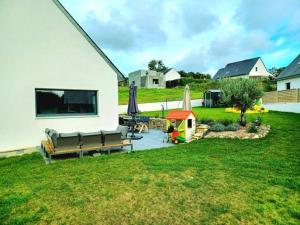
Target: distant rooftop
x=236 y=68
x=292 y=70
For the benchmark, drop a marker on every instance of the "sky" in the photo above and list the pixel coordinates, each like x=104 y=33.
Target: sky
x=191 y=35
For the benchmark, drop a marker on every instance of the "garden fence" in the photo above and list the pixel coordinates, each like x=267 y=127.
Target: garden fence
x=292 y=95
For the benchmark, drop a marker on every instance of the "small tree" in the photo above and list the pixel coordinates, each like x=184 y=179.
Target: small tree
x=240 y=93
x=152 y=65
x=160 y=66
x=157 y=65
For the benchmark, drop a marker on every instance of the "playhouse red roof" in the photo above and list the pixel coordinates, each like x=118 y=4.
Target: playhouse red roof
x=180 y=114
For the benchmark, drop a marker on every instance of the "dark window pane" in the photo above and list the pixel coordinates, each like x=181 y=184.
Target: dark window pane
x=65 y=102
x=190 y=123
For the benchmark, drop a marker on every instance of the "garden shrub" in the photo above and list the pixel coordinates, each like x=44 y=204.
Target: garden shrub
x=207 y=121
x=225 y=122
x=258 y=121
x=218 y=127
x=232 y=127
x=253 y=128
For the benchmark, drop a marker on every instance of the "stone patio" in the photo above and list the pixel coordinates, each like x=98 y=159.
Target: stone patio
x=151 y=140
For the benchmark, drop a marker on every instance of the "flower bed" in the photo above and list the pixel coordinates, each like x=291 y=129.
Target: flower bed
x=242 y=133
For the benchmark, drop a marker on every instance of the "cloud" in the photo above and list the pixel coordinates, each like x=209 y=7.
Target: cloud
x=188 y=34
x=112 y=35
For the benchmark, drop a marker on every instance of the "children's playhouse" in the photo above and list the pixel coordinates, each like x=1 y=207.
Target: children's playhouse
x=184 y=123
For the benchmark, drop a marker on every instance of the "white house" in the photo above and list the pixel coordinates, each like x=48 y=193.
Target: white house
x=249 y=68
x=171 y=74
x=289 y=78
x=52 y=75
x=172 y=77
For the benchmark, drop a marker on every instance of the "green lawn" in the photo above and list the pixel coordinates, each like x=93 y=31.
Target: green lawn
x=146 y=95
x=211 y=181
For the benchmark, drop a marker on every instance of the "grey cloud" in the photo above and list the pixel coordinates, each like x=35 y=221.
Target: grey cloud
x=197 y=17
x=109 y=34
x=140 y=28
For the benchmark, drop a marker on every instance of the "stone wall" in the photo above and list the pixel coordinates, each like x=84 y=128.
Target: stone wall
x=157 y=123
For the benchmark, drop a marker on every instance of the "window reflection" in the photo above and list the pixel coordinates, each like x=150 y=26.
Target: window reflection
x=65 y=102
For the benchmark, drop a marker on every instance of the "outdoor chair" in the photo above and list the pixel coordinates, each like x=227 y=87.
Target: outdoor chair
x=142 y=124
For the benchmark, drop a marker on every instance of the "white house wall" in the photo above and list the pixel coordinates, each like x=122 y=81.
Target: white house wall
x=294 y=82
x=261 y=69
x=172 y=75
x=40 y=48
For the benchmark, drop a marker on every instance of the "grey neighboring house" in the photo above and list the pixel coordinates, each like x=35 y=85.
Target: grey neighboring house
x=147 y=79
x=289 y=78
x=249 y=68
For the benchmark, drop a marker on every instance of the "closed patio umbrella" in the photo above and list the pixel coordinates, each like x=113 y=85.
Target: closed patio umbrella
x=186 y=103
x=133 y=109
x=132 y=103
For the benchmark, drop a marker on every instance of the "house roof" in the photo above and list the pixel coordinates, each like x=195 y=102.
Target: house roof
x=121 y=76
x=167 y=70
x=236 y=68
x=180 y=114
x=213 y=90
x=292 y=70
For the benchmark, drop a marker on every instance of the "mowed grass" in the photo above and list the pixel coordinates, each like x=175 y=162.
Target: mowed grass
x=146 y=95
x=211 y=181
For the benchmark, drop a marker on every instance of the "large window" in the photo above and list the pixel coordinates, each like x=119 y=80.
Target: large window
x=54 y=102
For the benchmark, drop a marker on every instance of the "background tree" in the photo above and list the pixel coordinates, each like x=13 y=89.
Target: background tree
x=240 y=93
x=160 y=66
x=152 y=65
x=157 y=65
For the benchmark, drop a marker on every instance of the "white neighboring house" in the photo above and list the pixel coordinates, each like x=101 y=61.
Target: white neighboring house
x=52 y=75
x=171 y=74
x=172 y=77
x=249 y=68
x=289 y=78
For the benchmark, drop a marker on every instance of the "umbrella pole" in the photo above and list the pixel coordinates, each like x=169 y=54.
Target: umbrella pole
x=132 y=125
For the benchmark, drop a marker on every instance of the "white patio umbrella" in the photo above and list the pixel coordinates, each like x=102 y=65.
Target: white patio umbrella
x=186 y=103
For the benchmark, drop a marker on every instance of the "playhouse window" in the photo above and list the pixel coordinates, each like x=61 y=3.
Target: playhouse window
x=190 y=123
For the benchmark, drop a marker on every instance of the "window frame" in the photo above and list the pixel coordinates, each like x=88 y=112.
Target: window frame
x=64 y=114
x=288 y=85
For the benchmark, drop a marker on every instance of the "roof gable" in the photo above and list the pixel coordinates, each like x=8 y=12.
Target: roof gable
x=167 y=70
x=180 y=114
x=292 y=70
x=237 y=68
x=120 y=75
